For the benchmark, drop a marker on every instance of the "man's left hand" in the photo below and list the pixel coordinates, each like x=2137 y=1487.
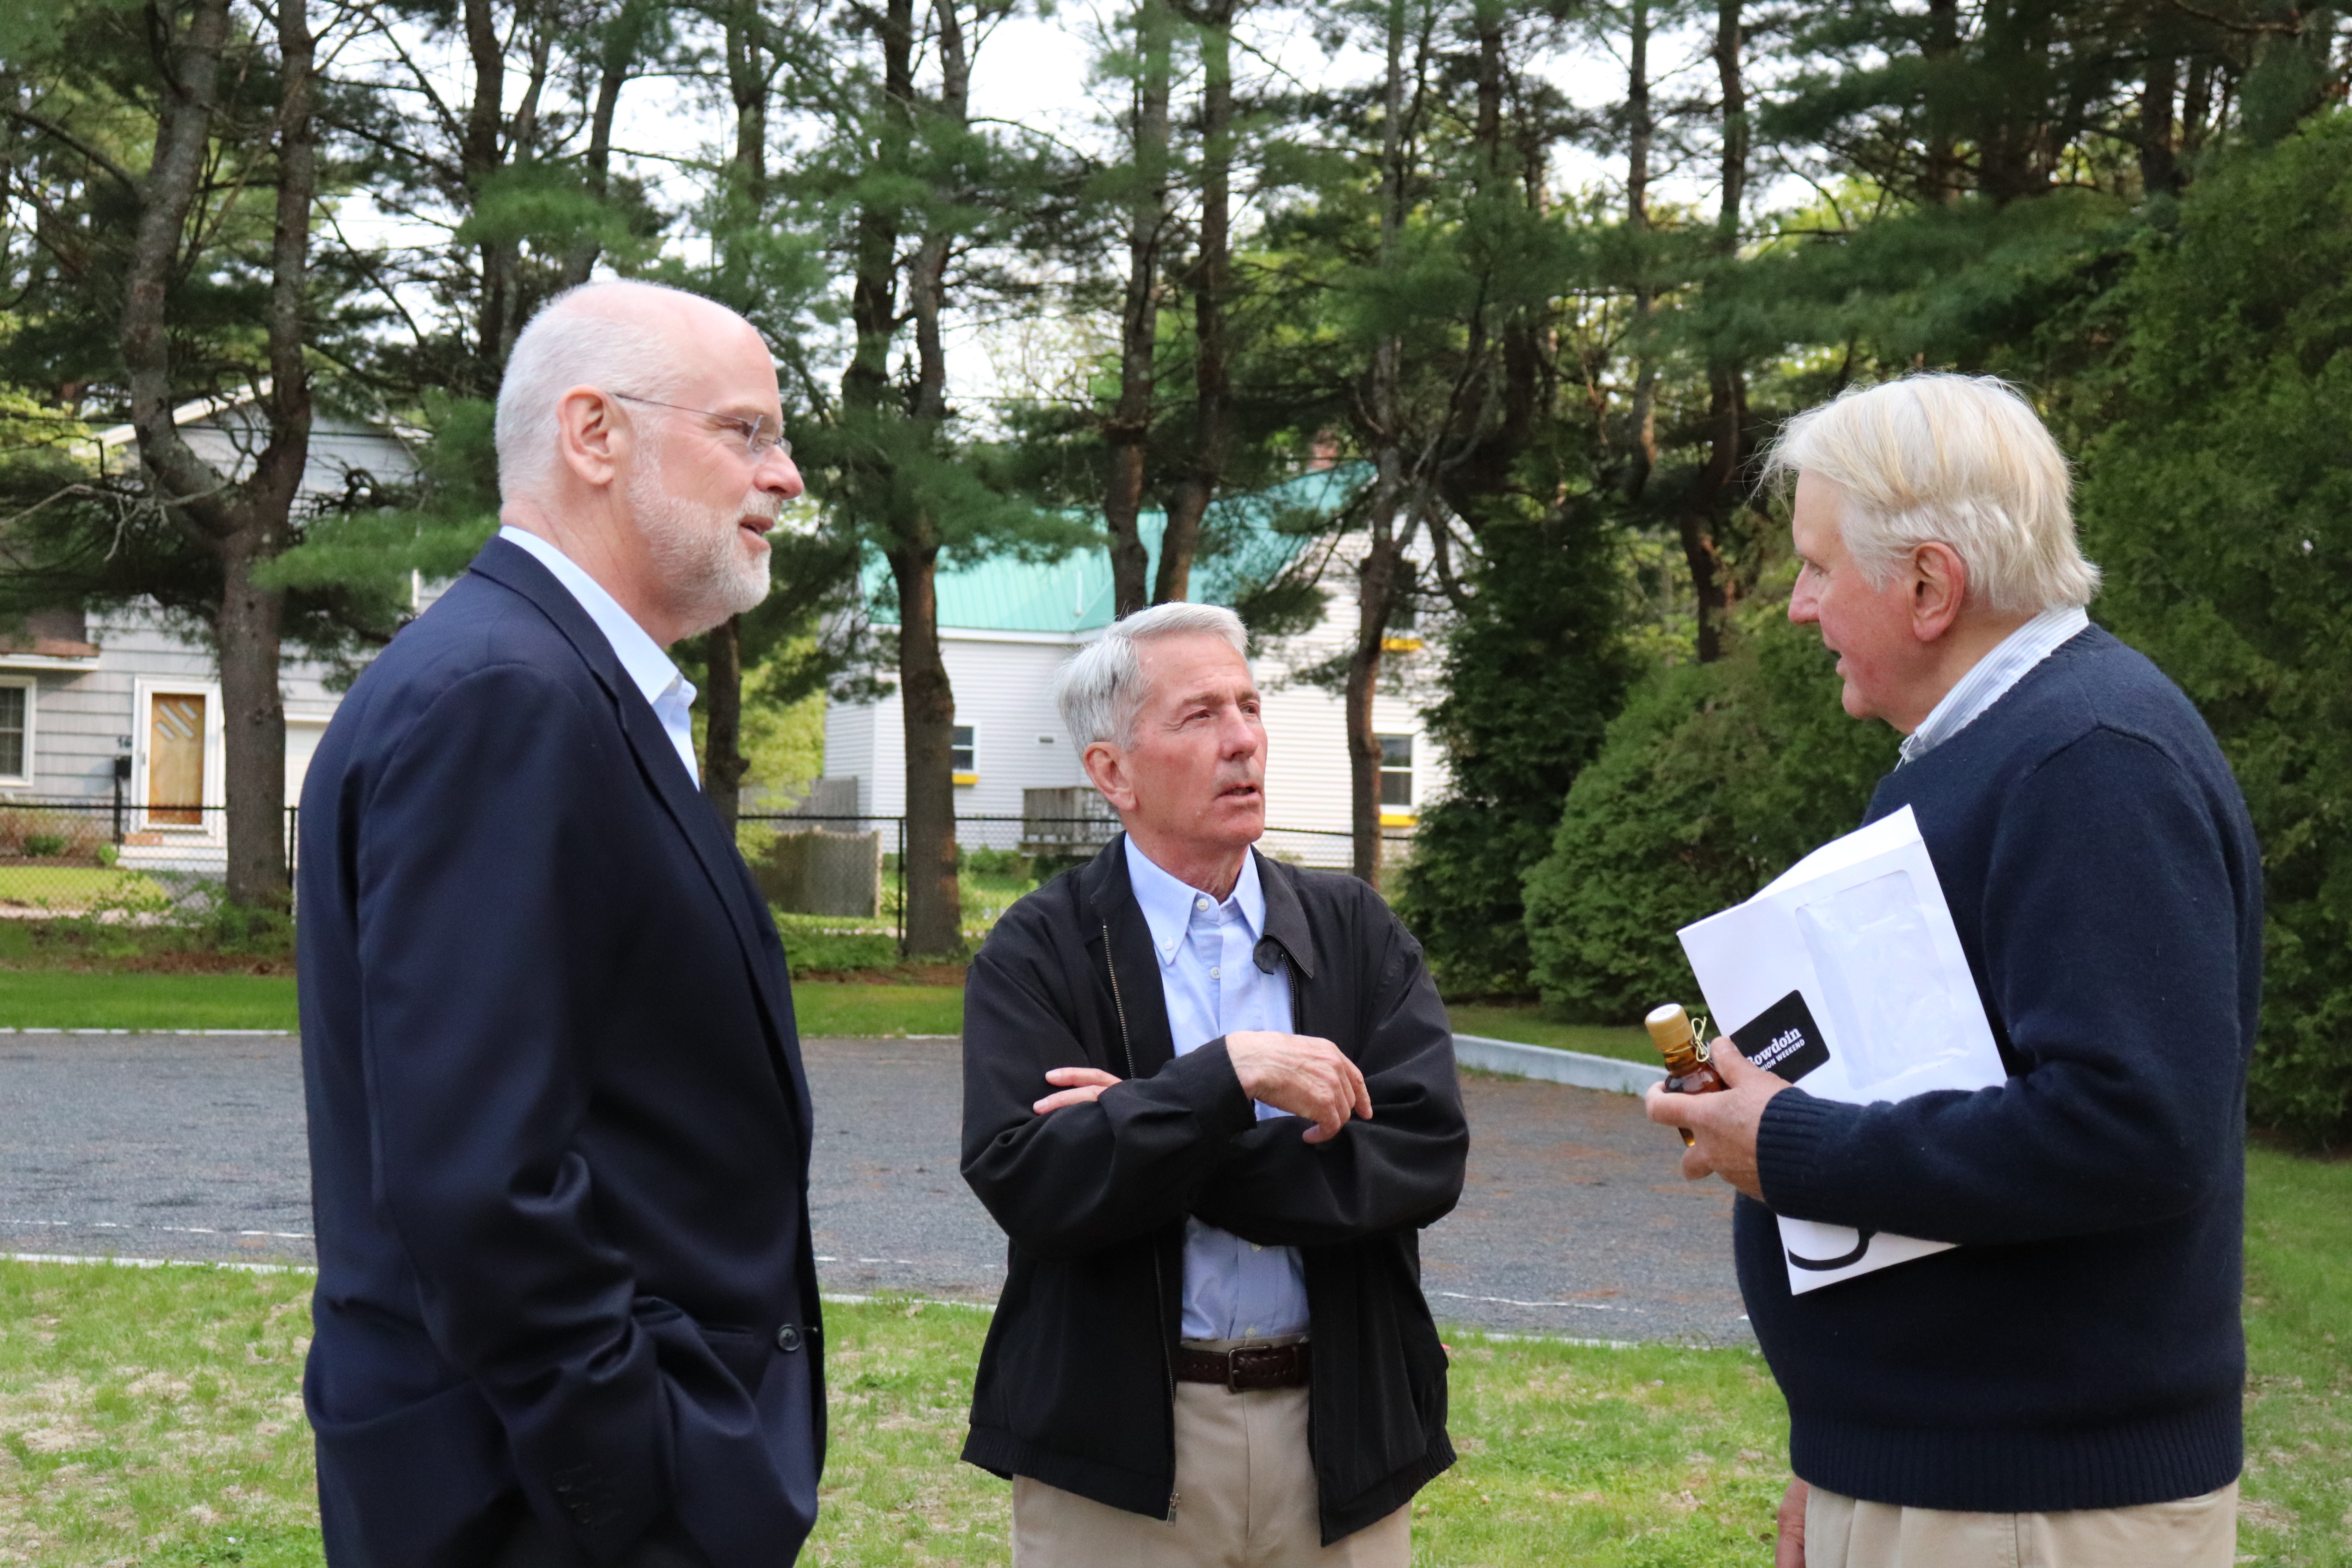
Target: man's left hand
x=1078 y=1086
x=1723 y=1122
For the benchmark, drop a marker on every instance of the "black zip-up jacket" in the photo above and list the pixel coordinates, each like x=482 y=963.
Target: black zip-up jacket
x=1077 y=1384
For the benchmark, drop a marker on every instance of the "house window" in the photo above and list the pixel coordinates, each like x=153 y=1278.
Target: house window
x=963 y=754
x=1396 y=771
x=16 y=732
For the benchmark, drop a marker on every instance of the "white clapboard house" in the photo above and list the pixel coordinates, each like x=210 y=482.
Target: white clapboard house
x=125 y=702
x=1007 y=626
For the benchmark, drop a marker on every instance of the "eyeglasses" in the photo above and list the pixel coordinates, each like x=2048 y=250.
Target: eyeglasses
x=759 y=439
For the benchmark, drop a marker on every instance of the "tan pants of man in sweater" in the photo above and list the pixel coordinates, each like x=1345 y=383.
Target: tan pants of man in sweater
x=2195 y=1532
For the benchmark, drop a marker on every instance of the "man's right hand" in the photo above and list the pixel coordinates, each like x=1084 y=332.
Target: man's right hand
x=1301 y=1074
x=1789 y=1550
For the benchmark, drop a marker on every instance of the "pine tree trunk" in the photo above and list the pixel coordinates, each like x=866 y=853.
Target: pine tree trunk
x=1639 y=132
x=616 y=63
x=1376 y=584
x=723 y=763
x=934 y=900
x=1196 y=487
x=253 y=729
x=934 y=896
x=480 y=156
x=1700 y=518
x=1130 y=430
x=1375 y=572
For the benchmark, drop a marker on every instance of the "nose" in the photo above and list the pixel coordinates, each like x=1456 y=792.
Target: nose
x=1804 y=603
x=778 y=475
x=1240 y=734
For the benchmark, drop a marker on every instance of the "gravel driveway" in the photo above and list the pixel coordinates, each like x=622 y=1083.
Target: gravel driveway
x=1574 y=1220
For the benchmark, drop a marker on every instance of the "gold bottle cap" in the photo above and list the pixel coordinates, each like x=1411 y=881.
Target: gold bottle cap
x=1670 y=1028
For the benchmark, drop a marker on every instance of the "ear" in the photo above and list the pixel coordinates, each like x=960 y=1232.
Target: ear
x=1106 y=764
x=1940 y=587
x=591 y=436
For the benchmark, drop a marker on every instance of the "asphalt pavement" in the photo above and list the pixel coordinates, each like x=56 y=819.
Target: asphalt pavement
x=1574 y=1220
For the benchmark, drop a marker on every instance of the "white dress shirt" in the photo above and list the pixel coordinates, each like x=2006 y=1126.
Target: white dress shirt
x=1234 y=1290
x=1992 y=675
x=670 y=693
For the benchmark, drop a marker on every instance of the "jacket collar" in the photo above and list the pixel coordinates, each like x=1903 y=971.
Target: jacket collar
x=1110 y=893
x=510 y=566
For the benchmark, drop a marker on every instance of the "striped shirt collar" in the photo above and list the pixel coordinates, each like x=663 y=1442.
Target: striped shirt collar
x=1993 y=676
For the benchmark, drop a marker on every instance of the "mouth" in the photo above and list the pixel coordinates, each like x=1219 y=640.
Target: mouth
x=1241 y=792
x=756 y=526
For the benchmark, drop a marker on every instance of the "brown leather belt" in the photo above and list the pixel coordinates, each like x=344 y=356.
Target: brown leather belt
x=1249 y=1367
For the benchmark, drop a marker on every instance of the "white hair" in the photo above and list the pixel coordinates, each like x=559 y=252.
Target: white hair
x=578 y=338
x=1100 y=689
x=1961 y=460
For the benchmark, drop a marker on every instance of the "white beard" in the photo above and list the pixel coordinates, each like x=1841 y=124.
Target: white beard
x=694 y=545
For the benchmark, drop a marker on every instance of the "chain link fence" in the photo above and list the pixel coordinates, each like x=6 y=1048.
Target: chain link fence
x=112 y=859
x=837 y=871
x=842 y=874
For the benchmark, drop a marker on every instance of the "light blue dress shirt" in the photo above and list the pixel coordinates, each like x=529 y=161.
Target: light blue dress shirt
x=670 y=693
x=1234 y=1290
x=1993 y=675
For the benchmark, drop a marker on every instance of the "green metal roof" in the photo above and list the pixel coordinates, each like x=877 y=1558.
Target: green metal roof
x=1073 y=594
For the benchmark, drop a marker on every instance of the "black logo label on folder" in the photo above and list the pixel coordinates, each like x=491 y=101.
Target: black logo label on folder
x=1783 y=1038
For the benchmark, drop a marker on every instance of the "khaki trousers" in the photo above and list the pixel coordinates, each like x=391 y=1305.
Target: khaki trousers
x=1245 y=1499
x=2195 y=1532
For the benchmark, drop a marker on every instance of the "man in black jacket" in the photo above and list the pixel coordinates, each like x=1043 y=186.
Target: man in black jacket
x=1211 y=1098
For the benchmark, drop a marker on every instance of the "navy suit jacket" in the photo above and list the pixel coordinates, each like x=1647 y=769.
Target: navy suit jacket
x=559 y=1127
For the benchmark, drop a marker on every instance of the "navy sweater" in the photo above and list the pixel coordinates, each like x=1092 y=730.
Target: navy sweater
x=2082 y=1347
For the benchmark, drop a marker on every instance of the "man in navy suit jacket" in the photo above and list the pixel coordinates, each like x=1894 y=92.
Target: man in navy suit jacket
x=567 y=1310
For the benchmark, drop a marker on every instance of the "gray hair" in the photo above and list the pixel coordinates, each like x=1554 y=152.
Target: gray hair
x=578 y=338
x=1100 y=689
x=1962 y=460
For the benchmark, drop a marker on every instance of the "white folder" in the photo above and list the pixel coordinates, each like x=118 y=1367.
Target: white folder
x=1848 y=971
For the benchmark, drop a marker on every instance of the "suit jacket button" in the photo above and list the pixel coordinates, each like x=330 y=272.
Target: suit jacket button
x=788 y=1338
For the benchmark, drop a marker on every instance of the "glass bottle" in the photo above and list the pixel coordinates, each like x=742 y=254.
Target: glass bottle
x=1688 y=1070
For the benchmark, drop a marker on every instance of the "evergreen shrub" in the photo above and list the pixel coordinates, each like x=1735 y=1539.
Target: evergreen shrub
x=2218 y=495
x=1535 y=667
x=1715 y=779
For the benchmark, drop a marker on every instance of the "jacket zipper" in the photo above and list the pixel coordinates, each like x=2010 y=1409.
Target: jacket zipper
x=1159 y=1280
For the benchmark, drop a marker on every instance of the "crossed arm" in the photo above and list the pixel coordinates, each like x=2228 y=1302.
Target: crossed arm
x=1096 y=1161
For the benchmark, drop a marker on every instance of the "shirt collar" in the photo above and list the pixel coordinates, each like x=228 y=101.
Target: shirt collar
x=649 y=669
x=1168 y=904
x=1989 y=680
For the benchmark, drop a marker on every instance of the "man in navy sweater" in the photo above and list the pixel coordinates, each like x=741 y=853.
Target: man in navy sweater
x=2063 y=1389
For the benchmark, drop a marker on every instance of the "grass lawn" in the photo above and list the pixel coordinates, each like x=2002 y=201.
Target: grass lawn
x=55 y=999
x=152 y=1417
x=1528 y=1024
x=61 y=999
x=59 y=886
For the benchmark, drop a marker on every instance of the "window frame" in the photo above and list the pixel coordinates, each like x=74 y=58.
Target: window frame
x=31 y=686
x=1399 y=814
x=969 y=774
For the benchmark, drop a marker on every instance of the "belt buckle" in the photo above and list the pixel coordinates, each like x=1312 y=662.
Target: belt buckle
x=1234 y=1366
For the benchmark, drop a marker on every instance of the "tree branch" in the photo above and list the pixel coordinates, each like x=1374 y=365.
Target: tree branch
x=48 y=127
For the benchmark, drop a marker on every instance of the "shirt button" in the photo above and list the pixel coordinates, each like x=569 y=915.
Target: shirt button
x=1212 y=972
x=1201 y=904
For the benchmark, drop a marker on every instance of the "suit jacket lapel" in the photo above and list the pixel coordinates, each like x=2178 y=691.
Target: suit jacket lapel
x=657 y=760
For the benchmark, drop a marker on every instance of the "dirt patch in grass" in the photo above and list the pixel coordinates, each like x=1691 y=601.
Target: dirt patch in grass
x=895 y=975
